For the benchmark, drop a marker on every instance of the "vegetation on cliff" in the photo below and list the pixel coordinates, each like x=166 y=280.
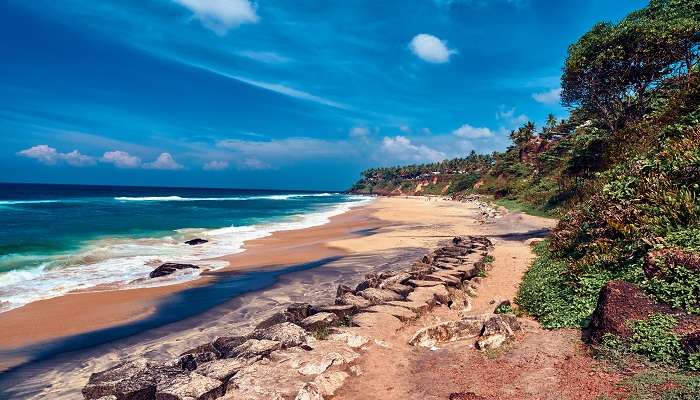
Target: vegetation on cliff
x=623 y=171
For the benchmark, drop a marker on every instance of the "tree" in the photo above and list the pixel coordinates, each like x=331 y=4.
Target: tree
x=611 y=69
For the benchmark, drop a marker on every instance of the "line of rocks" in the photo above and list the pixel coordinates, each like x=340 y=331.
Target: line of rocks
x=307 y=351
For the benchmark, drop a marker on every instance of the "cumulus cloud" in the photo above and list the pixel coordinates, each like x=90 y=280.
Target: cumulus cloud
x=401 y=148
x=164 y=161
x=470 y=132
x=221 y=15
x=50 y=156
x=253 y=163
x=215 y=165
x=121 y=159
x=284 y=149
x=549 y=97
x=430 y=48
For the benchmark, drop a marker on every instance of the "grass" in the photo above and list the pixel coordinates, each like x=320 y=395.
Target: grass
x=519 y=206
x=661 y=385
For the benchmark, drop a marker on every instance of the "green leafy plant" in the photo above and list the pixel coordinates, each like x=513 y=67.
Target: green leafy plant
x=655 y=339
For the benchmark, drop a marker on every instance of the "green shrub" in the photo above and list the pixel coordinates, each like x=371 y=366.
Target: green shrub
x=655 y=339
x=504 y=309
x=679 y=287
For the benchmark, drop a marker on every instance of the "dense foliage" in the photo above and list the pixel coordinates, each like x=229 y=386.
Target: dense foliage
x=623 y=171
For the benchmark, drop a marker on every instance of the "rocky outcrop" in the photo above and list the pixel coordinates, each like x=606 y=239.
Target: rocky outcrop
x=169 y=268
x=620 y=302
x=196 y=241
x=306 y=351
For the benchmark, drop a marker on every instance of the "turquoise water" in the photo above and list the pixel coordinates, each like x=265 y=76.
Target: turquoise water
x=60 y=238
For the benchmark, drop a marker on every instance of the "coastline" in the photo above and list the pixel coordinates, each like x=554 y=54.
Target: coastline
x=394 y=232
x=80 y=312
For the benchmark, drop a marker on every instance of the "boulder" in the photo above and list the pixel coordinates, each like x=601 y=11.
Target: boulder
x=401 y=289
x=196 y=241
x=299 y=311
x=187 y=362
x=342 y=289
x=444 y=332
x=188 y=387
x=376 y=320
x=264 y=380
x=491 y=341
x=288 y=334
x=349 y=337
x=506 y=324
x=226 y=344
x=402 y=313
x=224 y=369
x=169 y=268
x=133 y=380
x=329 y=382
x=371 y=281
x=419 y=308
x=377 y=296
x=425 y=282
x=276 y=318
x=320 y=321
x=309 y=392
x=203 y=353
x=255 y=348
x=620 y=302
x=354 y=300
x=342 y=311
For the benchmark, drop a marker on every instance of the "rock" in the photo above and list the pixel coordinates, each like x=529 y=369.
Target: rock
x=371 y=281
x=224 y=369
x=108 y=398
x=377 y=296
x=458 y=299
x=396 y=279
x=444 y=332
x=194 y=242
x=506 y=324
x=134 y=380
x=320 y=321
x=350 y=338
x=329 y=383
x=466 y=396
x=620 y=302
x=426 y=283
x=342 y=289
x=288 y=334
x=309 y=392
x=491 y=342
x=342 y=311
x=187 y=362
x=274 y=319
x=226 y=344
x=169 y=268
x=188 y=387
x=431 y=295
x=299 y=311
x=376 y=320
x=264 y=380
x=402 y=290
x=403 y=314
x=419 y=308
x=254 y=348
x=203 y=353
x=447 y=279
x=354 y=300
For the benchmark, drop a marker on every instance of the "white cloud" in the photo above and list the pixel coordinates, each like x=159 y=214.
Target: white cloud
x=401 y=148
x=359 y=132
x=512 y=119
x=121 y=159
x=253 y=163
x=50 y=156
x=430 y=48
x=215 y=165
x=549 y=97
x=405 y=128
x=285 y=149
x=164 y=161
x=221 y=15
x=470 y=132
x=267 y=57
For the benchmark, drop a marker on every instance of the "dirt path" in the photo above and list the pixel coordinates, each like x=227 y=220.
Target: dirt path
x=537 y=365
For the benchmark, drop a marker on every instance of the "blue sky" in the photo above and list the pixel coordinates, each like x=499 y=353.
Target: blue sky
x=272 y=94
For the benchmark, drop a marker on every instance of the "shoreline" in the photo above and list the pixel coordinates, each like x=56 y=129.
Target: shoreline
x=86 y=311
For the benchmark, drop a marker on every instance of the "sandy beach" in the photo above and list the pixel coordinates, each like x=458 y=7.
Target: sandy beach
x=381 y=235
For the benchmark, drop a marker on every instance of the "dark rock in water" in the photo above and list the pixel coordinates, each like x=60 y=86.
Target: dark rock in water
x=196 y=241
x=226 y=344
x=299 y=311
x=620 y=302
x=169 y=268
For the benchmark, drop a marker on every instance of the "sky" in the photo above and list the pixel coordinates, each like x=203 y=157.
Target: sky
x=294 y=94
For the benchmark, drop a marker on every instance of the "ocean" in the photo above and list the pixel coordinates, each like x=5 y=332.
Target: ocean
x=55 y=239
